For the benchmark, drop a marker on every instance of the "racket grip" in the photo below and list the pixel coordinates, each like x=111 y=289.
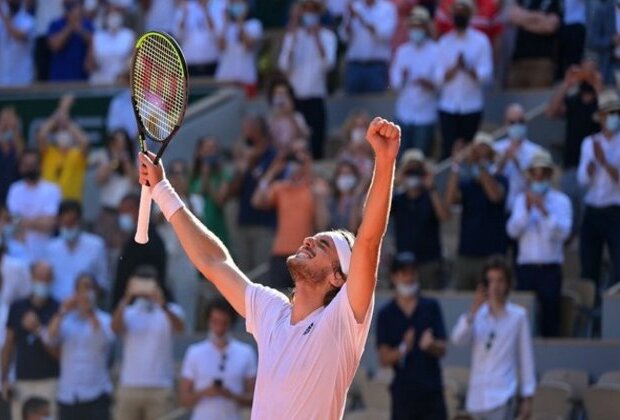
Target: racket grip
x=142 y=230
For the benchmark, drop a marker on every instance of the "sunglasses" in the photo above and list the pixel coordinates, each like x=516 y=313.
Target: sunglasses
x=490 y=340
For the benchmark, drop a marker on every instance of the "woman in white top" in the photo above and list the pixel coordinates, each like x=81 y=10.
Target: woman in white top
x=238 y=45
x=111 y=49
x=286 y=125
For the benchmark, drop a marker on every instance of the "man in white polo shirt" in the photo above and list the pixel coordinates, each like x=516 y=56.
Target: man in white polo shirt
x=309 y=345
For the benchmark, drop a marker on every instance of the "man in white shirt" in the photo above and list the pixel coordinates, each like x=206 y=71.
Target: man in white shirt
x=515 y=152
x=502 y=360
x=368 y=28
x=412 y=76
x=599 y=173
x=308 y=54
x=120 y=114
x=464 y=66
x=33 y=203
x=541 y=221
x=17 y=29
x=14 y=277
x=75 y=252
x=84 y=336
x=218 y=374
x=147 y=323
x=309 y=345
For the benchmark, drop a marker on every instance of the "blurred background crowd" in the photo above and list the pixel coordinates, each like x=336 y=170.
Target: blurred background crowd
x=90 y=319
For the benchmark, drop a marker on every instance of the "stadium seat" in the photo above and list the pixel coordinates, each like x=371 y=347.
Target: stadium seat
x=586 y=290
x=610 y=378
x=602 y=402
x=577 y=379
x=569 y=312
x=553 y=399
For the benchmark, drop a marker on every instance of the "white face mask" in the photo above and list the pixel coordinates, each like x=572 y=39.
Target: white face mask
x=144 y=304
x=358 y=135
x=114 y=21
x=346 y=182
x=126 y=222
x=64 y=139
x=407 y=290
x=517 y=131
x=413 y=182
x=40 y=290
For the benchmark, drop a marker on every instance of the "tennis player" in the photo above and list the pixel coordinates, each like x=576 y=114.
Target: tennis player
x=310 y=346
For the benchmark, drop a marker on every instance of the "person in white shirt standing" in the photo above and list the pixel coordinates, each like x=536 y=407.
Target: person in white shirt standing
x=197 y=24
x=464 y=66
x=17 y=31
x=218 y=374
x=158 y=14
x=75 y=252
x=146 y=323
x=502 y=360
x=412 y=76
x=309 y=345
x=84 y=336
x=599 y=173
x=308 y=54
x=368 y=28
x=541 y=221
x=238 y=44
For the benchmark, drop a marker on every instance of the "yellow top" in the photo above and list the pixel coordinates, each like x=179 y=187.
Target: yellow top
x=66 y=169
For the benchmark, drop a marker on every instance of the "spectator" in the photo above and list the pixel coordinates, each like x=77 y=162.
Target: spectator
x=111 y=49
x=403 y=12
x=253 y=159
x=132 y=254
x=15 y=281
x=75 y=252
x=541 y=221
x=502 y=360
x=36 y=408
x=11 y=148
x=69 y=38
x=355 y=148
x=298 y=216
x=210 y=179
x=486 y=18
x=464 y=66
x=36 y=367
x=218 y=374
x=17 y=28
x=575 y=100
x=537 y=24
x=286 y=126
x=147 y=323
x=197 y=24
x=602 y=37
x=33 y=205
x=308 y=54
x=238 y=45
x=572 y=34
x=412 y=339
x=120 y=114
x=514 y=153
x=412 y=75
x=367 y=28
x=46 y=12
x=64 y=160
x=417 y=211
x=158 y=15
x=346 y=199
x=482 y=194
x=598 y=172
x=84 y=337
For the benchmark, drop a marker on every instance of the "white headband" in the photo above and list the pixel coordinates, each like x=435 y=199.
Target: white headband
x=342 y=249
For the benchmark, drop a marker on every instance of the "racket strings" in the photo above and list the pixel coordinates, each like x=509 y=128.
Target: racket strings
x=158 y=86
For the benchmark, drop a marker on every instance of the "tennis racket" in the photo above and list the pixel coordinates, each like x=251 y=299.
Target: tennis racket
x=159 y=97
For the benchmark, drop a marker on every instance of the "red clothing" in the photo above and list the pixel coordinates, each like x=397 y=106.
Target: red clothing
x=486 y=19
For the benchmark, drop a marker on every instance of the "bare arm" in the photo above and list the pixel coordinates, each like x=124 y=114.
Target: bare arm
x=452 y=195
x=389 y=356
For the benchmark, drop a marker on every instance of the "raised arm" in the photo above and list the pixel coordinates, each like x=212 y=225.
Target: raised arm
x=206 y=251
x=384 y=137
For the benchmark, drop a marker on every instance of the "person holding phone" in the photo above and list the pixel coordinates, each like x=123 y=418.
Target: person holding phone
x=502 y=363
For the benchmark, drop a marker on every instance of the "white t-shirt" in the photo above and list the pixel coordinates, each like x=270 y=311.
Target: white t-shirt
x=147 y=347
x=304 y=370
x=202 y=366
x=117 y=186
x=16 y=280
x=112 y=51
x=198 y=40
x=159 y=16
x=237 y=63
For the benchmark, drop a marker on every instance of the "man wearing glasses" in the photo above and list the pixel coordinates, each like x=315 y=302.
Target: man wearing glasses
x=502 y=365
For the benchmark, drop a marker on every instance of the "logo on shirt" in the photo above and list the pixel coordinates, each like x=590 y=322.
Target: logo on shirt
x=307 y=331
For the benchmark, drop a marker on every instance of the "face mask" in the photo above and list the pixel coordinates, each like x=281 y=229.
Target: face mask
x=114 y=21
x=310 y=20
x=7 y=137
x=237 y=9
x=517 y=131
x=461 y=21
x=407 y=290
x=358 y=135
x=345 y=183
x=417 y=35
x=291 y=169
x=412 y=182
x=64 y=139
x=539 y=187
x=280 y=101
x=40 y=290
x=126 y=222
x=91 y=295
x=69 y=234
x=32 y=174
x=144 y=304
x=612 y=122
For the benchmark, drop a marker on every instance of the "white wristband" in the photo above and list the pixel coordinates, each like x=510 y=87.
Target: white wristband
x=167 y=199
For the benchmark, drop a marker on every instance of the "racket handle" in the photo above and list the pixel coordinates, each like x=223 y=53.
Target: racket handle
x=142 y=230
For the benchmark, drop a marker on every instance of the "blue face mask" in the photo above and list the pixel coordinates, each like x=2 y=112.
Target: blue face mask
x=126 y=222
x=517 y=131
x=237 y=9
x=540 y=187
x=310 y=20
x=70 y=234
x=417 y=35
x=612 y=122
x=40 y=290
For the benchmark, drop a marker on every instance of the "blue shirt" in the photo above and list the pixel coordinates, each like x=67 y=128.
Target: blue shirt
x=419 y=373
x=69 y=62
x=248 y=214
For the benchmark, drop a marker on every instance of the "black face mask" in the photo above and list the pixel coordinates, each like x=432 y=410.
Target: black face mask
x=461 y=21
x=32 y=174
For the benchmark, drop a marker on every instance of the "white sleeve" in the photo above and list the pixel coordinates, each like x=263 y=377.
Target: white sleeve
x=559 y=220
x=284 y=57
x=386 y=23
x=463 y=332
x=484 y=64
x=584 y=160
x=12 y=200
x=250 y=365
x=187 y=368
x=263 y=306
x=52 y=201
x=518 y=219
x=254 y=29
x=526 y=359
x=330 y=46
x=396 y=70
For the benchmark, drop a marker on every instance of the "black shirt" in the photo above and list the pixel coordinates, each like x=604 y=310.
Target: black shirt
x=420 y=374
x=579 y=125
x=32 y=360
x=483 y=223
x=248 y=214
x=416 y=226
x=531 y=45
